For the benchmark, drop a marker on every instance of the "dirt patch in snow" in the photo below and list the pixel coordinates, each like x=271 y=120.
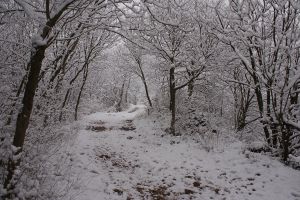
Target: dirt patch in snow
x=128 y=126
x=158 y=192
x=116 y=160
x=96 y=128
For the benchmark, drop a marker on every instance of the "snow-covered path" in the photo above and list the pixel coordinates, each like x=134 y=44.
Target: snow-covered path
x=123 y=156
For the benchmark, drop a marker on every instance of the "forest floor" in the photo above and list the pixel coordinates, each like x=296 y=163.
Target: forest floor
x=127 y=156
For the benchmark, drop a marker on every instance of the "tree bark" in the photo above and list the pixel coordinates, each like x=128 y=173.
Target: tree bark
x=24 y=115
x=85 y=74
x=147 y=93
x=34 y=66
x=191 y=83
x=259 y=96
x=172 y=100
x=119 y=104
x=142 y=75
x=64 y=104
x=126 y=93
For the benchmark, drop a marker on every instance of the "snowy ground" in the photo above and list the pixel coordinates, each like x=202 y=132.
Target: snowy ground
x=117 y=158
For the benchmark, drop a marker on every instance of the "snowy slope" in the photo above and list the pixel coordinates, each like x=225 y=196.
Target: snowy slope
x=116 y=158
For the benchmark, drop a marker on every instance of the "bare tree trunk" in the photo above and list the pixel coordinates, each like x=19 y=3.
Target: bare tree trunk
x=273 y=126
x=191 y=84
x=34 y=66
x=259 y=96
x=126 y=93
x=172 y=101
x=119 y=104
x=286 y=133
x=24 y=115
x=69 y=90
x=191 y=88
x=173 y=90
x=147 y=93
x=64 y=104
x=144 y=81
x=85 y=74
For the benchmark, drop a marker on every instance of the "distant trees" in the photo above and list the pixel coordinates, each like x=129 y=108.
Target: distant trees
x=167 y=33
x=243 y=95
x=135 y=55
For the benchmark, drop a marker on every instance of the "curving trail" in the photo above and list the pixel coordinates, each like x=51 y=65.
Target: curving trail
x=124 y=156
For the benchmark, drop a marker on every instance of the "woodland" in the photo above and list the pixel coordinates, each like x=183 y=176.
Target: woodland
x=186 y=74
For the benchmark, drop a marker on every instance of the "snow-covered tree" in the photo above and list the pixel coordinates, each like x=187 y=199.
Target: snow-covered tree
x=264 y=36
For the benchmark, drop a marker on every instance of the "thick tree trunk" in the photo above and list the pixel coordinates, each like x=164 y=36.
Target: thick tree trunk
x=172 y=101
x=24 y=115
x=34 y=66
x=260 y=104
x=173 y=113
x=286 y=133
x=191 y=83
x=285 y=142
x=191 y=88
x=259 y=96
x=273 y=126
x=173 y=90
